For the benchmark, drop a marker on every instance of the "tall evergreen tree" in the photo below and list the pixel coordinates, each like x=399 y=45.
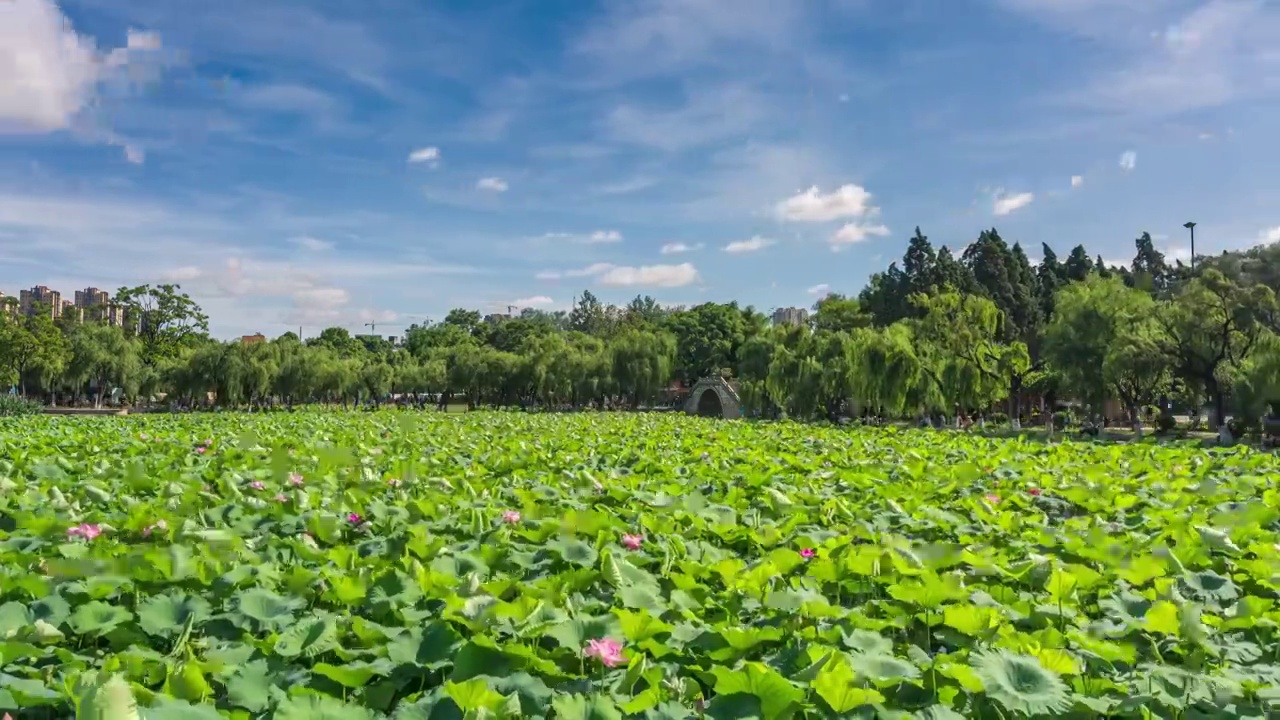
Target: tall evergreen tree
x=1078 y=265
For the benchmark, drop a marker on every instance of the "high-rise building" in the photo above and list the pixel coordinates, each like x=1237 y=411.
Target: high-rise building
x=115 y=315
x=40 y=295
x=70 y=311
x=8 y=306
x=89 y=297
x=790 y=316
x=96 y=306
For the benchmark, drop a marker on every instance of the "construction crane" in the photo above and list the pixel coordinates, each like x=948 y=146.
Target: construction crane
x=373 y=326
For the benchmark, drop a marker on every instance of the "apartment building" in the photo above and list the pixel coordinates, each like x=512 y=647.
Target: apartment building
x=70 y=311
x=40 y=296
x=790 y=316
x=95 y=305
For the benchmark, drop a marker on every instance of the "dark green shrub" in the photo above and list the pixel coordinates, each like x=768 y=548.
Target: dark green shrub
x=998 y=418
x=1061 y=420
x=15 y=405
x=1165 y=423
x=1241 y=426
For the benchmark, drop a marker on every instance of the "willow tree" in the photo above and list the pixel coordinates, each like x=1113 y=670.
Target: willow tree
x=959 y=347
x=888 y=372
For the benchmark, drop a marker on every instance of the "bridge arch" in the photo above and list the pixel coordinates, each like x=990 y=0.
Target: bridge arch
x=714 y=397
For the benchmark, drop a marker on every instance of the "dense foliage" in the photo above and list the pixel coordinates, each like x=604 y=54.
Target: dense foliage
x=978 y=332
x=414 y=566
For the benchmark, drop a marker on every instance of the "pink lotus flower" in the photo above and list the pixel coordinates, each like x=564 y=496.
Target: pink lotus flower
x=201 y=450
x=295 y=479
x=607 y=650
x=1035 y=491
x=394 y=482
x=257 y=485
x=143 y=436
x=511 y=517
x=991 y=498
x=281 y=497
x=84 y=530
x=632 y=542
x=806 y=553
x=354 y=518
x=157 y=525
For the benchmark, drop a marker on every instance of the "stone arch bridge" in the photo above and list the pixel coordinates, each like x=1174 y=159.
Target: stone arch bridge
x=714 y=397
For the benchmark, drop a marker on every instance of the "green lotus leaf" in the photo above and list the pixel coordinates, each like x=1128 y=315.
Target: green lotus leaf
x=308 y=637
x=867 y=641
x=269 y=610
x=1210 y=586
x=319 y=707
x=1020 y=684
x=168 y=615
x=110 y=700
x=836 y=685
x=882 y=668
x=251 y=686
x=98 y=618
x=778 y=697
x=578 y=707
x=351 y=675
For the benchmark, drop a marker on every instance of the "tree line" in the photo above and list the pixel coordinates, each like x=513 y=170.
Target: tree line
x=984 y=331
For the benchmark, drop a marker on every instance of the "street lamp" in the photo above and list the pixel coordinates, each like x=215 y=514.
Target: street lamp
x=1192 y=227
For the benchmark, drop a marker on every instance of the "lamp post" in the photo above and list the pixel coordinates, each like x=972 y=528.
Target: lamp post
x=1192 y=227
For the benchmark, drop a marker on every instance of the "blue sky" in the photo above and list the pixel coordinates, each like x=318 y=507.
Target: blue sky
x=313 y=163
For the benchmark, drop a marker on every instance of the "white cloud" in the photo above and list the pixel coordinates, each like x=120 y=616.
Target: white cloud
x=821 y=290
x=847 y=201
x=1270 y=235
x=143 y=40
x=49 y=73
x=492 y=184
x=180 y=274
x=707 y=116
x=605 y=236
x=134 y=154
x=665 y=276
x=535 y=301
x=306 y=242
x=1077 y=181
x=854 y=233
x=739 y=247
x=610 y=275
x=1204 y=55
x=1003 y=203
x=598 y=237
x=1128 y=160
x=678 y=248
x=287 y=98
x=324 y=298
x=588 y=271
x=429 y=155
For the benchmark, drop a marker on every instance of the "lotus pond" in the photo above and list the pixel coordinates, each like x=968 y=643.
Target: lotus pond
x=369 y=565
